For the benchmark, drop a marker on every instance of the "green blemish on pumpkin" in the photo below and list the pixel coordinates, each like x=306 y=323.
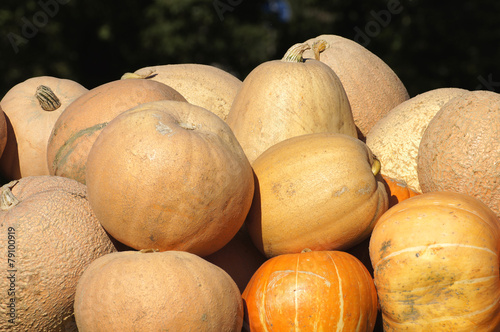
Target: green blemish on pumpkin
x=204 y=317
x=383 y=249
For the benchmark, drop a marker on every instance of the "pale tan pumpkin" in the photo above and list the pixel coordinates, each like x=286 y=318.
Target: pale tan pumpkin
x=50 y=235
x=460 y=149
x=79 y=125
x=3 y=131
x=203 y=85
x=284 y=98
x=315 y=191
x=32 y=108
x=436 y=265
x=395 y=138
x=157 y=291
x=169 y=175
x=372 y=87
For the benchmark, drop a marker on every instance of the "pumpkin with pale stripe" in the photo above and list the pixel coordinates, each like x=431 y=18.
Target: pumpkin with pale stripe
x=436 y=266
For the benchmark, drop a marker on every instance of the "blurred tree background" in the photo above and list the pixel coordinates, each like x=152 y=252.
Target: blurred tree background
x=429 y=44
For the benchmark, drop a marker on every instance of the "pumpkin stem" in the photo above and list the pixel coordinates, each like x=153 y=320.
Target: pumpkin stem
x=376 y=166
x=295 y=53
x=151 y=74
x=318 y=47
x=47 y=98
x=7 y=198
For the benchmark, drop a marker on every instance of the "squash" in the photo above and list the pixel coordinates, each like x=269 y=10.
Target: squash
x=316 y=191
x=79 y=125
x=395 y=138
x=397 y=190
x=372 y=87
x=284 y=98
x=202 y=85
x=32 y=108
x=169 y=175
x=3 y=131
x=311 y=291
x=156 y=291
x=50 y=235
x=436 y=266
x=460 y=149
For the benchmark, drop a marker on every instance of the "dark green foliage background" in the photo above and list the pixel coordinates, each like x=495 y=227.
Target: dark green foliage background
x=429 y=44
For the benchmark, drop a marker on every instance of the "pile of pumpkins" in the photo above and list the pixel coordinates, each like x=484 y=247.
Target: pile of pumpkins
x=314 y=195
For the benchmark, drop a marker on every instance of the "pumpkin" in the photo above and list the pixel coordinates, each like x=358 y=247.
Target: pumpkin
x=460 y=149
x=79 y=125
x=202 y=85
x=436 y=266
x=3 y=131
x=395 y=138
x=284 y=98
x=50 y=235
x=316 y=191
x=372 y=87
x=156 y=291
x=239 y=258
x=169 y=175
x=32 y=108
x=397 y=190
x=311 y=291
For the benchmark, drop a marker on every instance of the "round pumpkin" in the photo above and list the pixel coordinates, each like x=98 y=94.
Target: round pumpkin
x=156 y=291
x=397 y=190
x=395 y=138
x=460 y=149
x=284 y=98
x=372 y=87
x=79 y=125
x=32 y=108
x=311 y=291
x=169 y=175
x=202 y=85
x=50 y=235
x=3 y=131
x=436 y=265
x=315 y=191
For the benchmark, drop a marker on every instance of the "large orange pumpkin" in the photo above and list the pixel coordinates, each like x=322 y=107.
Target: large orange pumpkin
x=157 y=291
x=169 y=175
x=32 y=108
x=79 y=125
x=436 y=264
x=311 y=291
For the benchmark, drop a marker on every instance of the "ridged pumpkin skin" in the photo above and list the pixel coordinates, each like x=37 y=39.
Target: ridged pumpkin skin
x=311 y=291
x=79 y=125
x=397 y=190
x=281 y=99
x=202 y=85
x=395 y=138
x=30 y=125
x=315 y=191
x=169 y=175
x=372 y=87
x=460 y=149
x=436 y=265
x=55 y=236
x=157 y=291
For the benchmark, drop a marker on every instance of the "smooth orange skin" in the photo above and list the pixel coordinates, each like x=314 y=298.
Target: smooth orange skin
x=397 y=190
x=311 y=291
x=436 y=265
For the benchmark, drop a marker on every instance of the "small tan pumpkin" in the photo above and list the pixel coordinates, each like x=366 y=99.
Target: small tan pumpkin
x=79 y=125
x=315 y=191
x=395 y=138
x=32 y=108
x=157 y=291
x=436 y=266
x=372 y=87
x=50 y=235
x=284 y=98
x=169 y=175
x=202 y=85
